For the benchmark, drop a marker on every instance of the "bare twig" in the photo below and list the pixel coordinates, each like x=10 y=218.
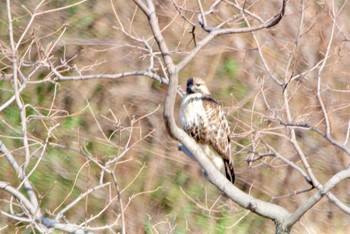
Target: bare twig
x=112 y=76
x=78 y=199
x=320 y=70
x=218 y=31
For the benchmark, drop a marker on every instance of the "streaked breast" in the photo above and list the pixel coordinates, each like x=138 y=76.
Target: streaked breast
x=191 y=109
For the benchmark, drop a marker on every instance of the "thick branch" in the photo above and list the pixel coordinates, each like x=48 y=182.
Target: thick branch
x=262 y=208
x=170 y=67
x=265 y=209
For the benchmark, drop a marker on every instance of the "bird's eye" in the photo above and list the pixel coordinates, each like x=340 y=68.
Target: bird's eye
x=198 y=84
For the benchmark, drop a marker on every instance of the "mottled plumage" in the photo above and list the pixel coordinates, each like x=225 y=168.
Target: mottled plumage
x=204 y=119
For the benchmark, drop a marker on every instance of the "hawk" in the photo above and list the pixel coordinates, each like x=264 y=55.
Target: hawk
x=204 y=120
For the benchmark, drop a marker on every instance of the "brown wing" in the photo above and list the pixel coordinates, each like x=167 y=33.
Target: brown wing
x=213 y=129
x=217 y=130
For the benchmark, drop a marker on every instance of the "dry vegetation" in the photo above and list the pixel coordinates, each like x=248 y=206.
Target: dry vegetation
x=94 y=153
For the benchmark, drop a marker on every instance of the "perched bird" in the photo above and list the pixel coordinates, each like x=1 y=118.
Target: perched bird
x=204 y=120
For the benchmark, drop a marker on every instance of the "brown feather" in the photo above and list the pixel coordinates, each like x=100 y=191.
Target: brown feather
x=212 y=129
x=218 y=135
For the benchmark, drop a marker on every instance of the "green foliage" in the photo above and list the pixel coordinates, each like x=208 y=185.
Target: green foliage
x=181 y=178
x=73 y=10
x=157 y=85
x=1 y=85
x=230 y=67
x=99 y=89
x=203 y=221
x=244 y=141
x=72 y=122
x=39 y=92
x=223 y=223
x=230 y=84
x=43 y=92
x=239 y=90
x=147 y=227
x=12 y=114
x=85 y=21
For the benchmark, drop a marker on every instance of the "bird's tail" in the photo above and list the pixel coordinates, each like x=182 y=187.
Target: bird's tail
x=229 y=171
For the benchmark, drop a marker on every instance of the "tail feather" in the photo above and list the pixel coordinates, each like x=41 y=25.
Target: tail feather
x=229 y=171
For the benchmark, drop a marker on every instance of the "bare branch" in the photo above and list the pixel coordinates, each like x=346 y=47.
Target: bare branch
x=320 y=70
x=20 y=197
x=78 y=199
x=20 y=172
x=218 y=31
x=151 y=75
x=336 y=179
x=329 y=138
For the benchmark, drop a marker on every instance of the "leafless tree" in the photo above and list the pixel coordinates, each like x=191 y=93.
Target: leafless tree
x=295 y=116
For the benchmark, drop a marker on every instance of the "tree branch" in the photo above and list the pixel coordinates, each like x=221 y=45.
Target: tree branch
x=325 y=189
x=218 y=31
x=162 y=80
x=262 y=208
x=20 y=172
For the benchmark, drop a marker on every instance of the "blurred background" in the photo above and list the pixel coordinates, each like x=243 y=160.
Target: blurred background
x=162 y=190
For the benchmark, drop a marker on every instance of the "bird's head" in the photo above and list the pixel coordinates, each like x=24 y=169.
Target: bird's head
x=196 y=85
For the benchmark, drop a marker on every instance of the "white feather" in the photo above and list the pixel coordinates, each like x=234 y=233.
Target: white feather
x=190 y=110
x=214 y=157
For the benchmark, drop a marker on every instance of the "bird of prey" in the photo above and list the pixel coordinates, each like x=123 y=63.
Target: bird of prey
x=203 y=118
